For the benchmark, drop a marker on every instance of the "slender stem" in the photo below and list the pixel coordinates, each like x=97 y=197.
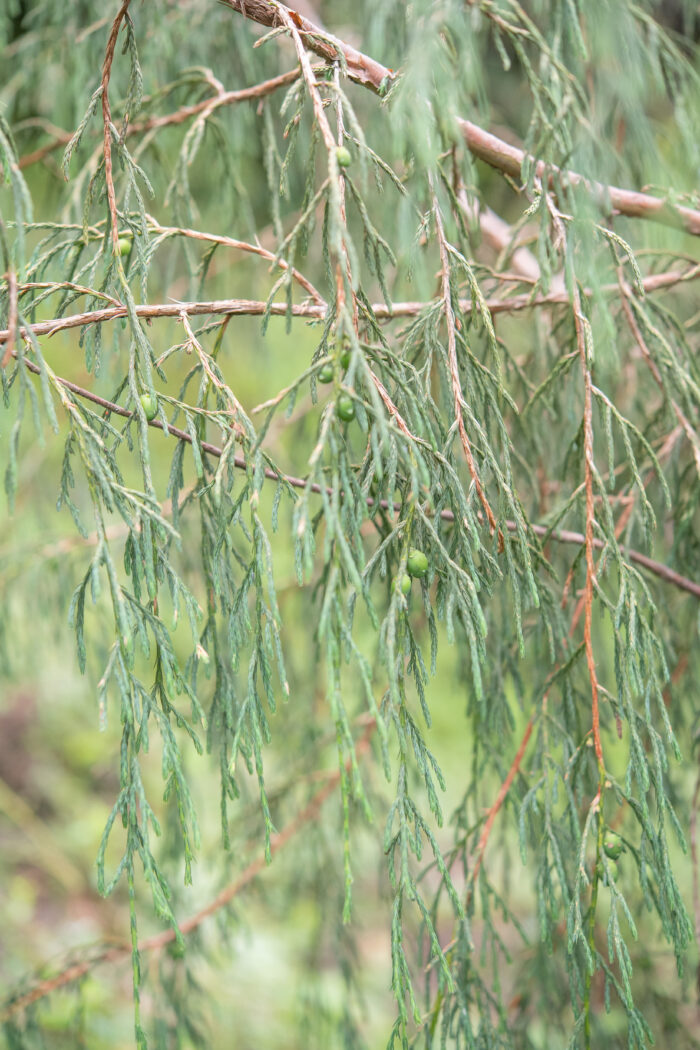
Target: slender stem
x=12 y=317
x=500 y=799
x=589 y=543
x=591 y=926
x=107 y=122
x=457 y=395
x=315 y=310
x=226 y=98
x=244 y=246
x=664 y=572
x=580 y=324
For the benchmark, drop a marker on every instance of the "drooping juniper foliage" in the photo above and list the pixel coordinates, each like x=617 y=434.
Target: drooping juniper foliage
x=517 y=400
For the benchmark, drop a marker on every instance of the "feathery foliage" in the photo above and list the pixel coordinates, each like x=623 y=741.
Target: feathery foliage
x=515 y=401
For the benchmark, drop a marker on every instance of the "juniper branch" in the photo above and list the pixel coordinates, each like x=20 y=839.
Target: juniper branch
x=458 y=396
x=483 y=144
x=315 y=311
x=179 y=116
x=107 y=121
x=664 y=572
x=244 y=246
x=12 y=318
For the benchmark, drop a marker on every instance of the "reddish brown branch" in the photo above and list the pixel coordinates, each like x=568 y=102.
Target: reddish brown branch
x=611 y=199
x=491 y=817
x=226 y=98
x=244 y=246
x=391 y=407
x=589 y=541
x=489 y=148
x=11 y=317
x=43 y=151
x=559 y=535
x=500 y=799
x=361 y=68
x=254 y=307
x=175 y=309
x=458 y=396
x=107 y=122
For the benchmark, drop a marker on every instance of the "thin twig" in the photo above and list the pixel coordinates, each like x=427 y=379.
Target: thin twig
x=43 y=151
x=342 y=263
x=179 y=116
x=458 y=396
x=225 y=98
x=11 y=317
x=491 y=815
x=500 y=799
x=498 y=234
x=664 y=572
x=653 y=368
x=589 y=468
x=317 y=311
x=581 y=326
x=107 y=122
x=391 y=407
x=244 y=246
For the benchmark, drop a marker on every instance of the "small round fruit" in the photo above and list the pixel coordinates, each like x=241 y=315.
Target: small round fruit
x=345 y=407
x=325 y=373
x=175 y=950
x=344 y=358
x=613 y=845
x=343 y=156
x=149 y=405
x=405 y=584
x=417 y=564
x=607 y=873
x=124 y=245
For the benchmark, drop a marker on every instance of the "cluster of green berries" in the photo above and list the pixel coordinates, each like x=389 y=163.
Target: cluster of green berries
x=417 y=565
x=344 y=406
x=326 y=371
